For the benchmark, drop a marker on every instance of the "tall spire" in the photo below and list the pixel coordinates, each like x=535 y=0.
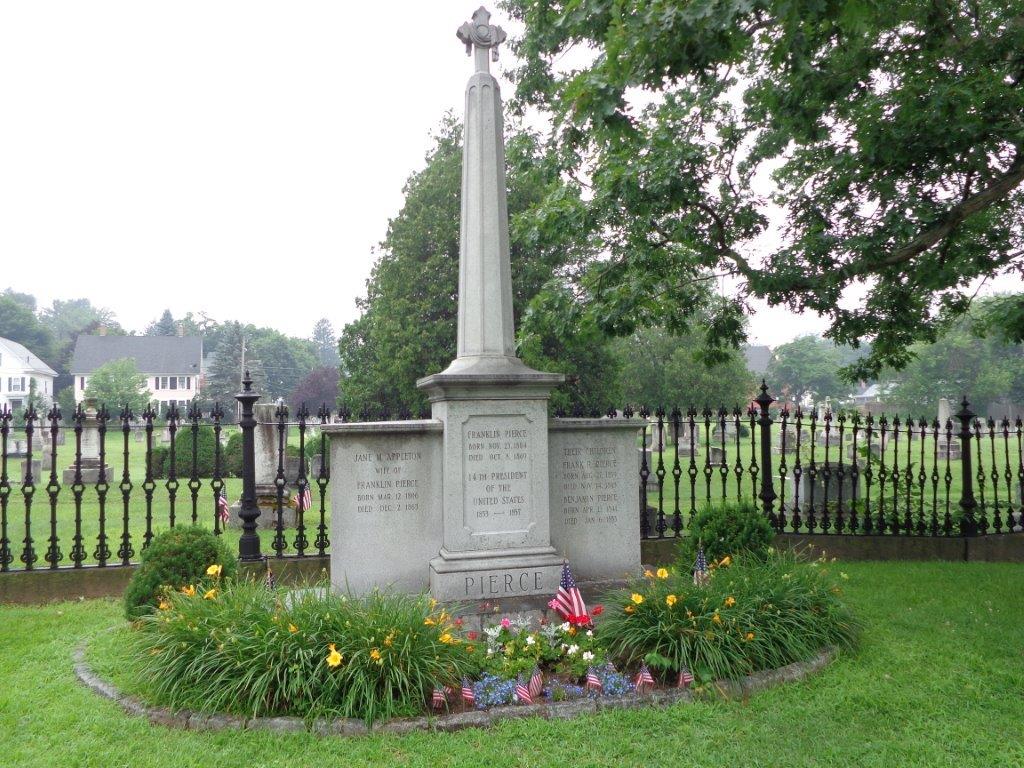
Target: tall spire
x=485 y=331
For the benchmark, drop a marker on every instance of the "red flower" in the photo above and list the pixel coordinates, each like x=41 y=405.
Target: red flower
x=458 y=622
x=598 y=610
x=582 y=620
x=472 y=635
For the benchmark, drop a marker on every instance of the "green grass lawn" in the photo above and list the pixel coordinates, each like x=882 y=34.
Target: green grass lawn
x=938 y=680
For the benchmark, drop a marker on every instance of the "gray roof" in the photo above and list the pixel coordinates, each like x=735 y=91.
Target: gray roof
x=758 y=356
x=25 y=357
x=152 y=354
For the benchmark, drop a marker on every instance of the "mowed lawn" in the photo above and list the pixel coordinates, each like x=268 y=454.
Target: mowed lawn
x=938 y=680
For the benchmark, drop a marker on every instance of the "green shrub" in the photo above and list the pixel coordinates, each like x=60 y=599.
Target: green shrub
x=174 y=559
x=253 y=652
x=757 y=613
x=231 y=458
x=726 y=529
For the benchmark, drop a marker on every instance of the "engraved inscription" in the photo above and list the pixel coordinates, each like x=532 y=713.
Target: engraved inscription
x=497 y=473
x=503 y=584
x=587 y=478
x=386 y=482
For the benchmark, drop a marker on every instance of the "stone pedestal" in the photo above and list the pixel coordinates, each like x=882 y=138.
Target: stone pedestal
x=90 y=447
x=496 y=539
x=265 y=439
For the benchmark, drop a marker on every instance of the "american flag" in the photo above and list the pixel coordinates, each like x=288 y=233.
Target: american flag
x=438 y=699
x=685 y=678
x=644 y=680
x=700 y=568
x=536 y=685
x=304 y=500
x=523 y=691
x=223 y=511
x=568 y=602
x=467 y=692
x=593 y=681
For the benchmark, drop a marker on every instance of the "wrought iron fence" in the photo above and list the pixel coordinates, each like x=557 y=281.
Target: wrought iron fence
x=126 y=476
x=833 y=473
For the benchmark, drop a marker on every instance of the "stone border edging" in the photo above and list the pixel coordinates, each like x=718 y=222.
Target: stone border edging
x=456 y=721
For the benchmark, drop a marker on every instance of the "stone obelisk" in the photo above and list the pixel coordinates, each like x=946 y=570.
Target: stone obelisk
x=496 y=528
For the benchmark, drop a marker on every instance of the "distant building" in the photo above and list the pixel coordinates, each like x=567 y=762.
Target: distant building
x=172 y=365
x=870 y=398
x=19 y=367
x=757 y=356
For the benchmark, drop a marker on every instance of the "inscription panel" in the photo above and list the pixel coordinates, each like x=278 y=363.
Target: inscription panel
x=387 y=482
x=497 y=475
x=587 y=477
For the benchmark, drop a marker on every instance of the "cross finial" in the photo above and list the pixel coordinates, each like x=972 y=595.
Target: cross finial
x=481 y=34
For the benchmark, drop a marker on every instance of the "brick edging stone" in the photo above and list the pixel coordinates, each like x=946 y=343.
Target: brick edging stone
x=560 y=710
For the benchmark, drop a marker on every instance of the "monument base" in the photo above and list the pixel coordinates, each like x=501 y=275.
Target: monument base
x=484 y=576
x=267 y=520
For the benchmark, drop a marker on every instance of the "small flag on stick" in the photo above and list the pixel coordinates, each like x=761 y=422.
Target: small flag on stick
x=304 y=500
x=568 y=602
x=536 y=685
x=438 y=699
x=593 y=681
x=644 y=681
x=269 y=581
x=523 y=692
x=701 y=576
x=467 y=692
x=685 y=678
x=223 y=511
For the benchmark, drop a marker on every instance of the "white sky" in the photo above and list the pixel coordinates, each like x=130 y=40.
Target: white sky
x=237 y=158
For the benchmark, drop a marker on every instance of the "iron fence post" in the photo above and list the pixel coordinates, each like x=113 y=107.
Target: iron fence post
x=968 y=525
x=249 y=543
x=767 y=494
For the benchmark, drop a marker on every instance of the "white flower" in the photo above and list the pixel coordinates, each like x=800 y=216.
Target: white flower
x=530 y=640
x=588 y=656
x=492 y=631
x=564 y=646
x=490 y=651
x=566 y=626
x=572 y=650
x=590 y=633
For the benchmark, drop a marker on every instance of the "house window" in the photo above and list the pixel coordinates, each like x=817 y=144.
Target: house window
x=188 y=382
x=156 y=382
x=163 y=382
x=174 y=382
x=15 y=383
x=81 y=382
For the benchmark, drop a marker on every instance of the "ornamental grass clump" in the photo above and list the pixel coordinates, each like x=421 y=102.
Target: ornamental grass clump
x=753 y=614
x=251 y=651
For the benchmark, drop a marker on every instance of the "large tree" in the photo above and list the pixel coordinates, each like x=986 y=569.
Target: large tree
x=407 y=326
x=224 y=377
x=808 y=365
x=886 y=138
x=117 y=384
x=19 y=323
x=663 y=370
x=164 y=326
x=325 y=342
x=985 y=369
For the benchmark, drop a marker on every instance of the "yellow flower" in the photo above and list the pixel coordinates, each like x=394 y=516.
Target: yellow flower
x=334 y=658
x=750 y=635
x=670 y=600
x=429 y=621
x=443 y=618
x=629 y=609
x=189 y=590
x=730 y=601
x=164 y=605
x=375 y=655
x=648 y=574
x=211 y=594
x=446 y=638
x=637 y=598
x=470 y=648
x=433 y=603
x=716 y=619
x=571 y=631
x=292 y=628
x=663 y=573
x=390 y=639
x=725 y=561
x=213 y=570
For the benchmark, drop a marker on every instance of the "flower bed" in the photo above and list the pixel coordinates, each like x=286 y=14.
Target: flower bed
x=241 y=649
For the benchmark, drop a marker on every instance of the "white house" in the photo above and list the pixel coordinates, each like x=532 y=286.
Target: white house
x=18 y=369
x=172 y=365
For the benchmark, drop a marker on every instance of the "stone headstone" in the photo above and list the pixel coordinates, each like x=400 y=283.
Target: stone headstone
x=90 y=448
x=716 y=455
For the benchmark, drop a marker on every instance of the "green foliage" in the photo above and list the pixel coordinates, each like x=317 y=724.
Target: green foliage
x=808 y=365
x=165 y=326
x=117 y=384
x=726 y=529
x=174 y=559
x=407 y=327
x=253 y=652
x=693 y=124
x=205 y=451
x=18 y=323
x=224 y=380
x=960 y=363
x=325 y=344
x=661 y=369
x=757 y=613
